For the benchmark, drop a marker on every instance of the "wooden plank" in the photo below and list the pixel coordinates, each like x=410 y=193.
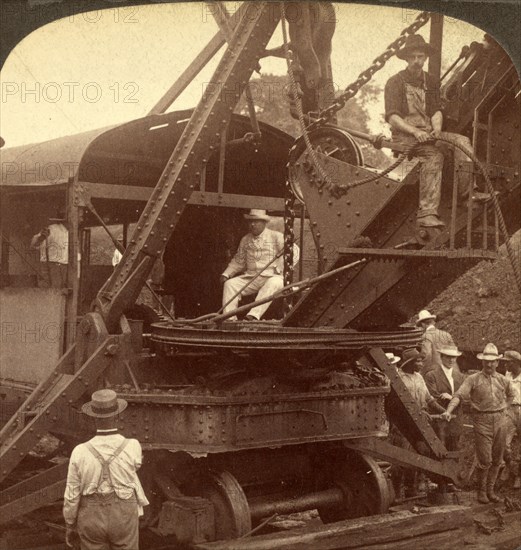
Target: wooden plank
x=470 y=539
x=356 y=533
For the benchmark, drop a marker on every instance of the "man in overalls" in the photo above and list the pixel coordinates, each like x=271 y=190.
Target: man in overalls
x=413 y=109
x=103 y=496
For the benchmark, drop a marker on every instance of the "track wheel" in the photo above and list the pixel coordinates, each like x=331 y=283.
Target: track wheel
x=364 y=485
x=232 y=513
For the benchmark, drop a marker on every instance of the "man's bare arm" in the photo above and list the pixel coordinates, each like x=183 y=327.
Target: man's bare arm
x=397 y=122
x=437 y=123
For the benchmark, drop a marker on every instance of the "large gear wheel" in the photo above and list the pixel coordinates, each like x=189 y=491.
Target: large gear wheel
x=331 y=141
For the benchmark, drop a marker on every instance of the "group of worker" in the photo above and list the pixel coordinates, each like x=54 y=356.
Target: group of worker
x=437 y=385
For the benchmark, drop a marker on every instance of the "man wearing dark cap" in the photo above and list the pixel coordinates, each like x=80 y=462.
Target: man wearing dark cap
x=409 y=371
x=53 y=243
x=412 y=363
x=513 y=445
x=490 y=394
x=103 y=496
x=413 y=109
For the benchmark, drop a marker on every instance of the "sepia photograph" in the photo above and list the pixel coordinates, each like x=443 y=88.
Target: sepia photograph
x=260 y=275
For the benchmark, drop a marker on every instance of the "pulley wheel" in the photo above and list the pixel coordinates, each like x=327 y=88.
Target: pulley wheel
x=331 y=141
x=365 y=488
x=232 y=513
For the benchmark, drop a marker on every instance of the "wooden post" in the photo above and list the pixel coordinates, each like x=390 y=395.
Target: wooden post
x=436 y=41
x=73 y=268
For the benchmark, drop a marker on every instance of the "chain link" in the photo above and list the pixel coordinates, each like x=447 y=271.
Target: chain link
x=365 y=76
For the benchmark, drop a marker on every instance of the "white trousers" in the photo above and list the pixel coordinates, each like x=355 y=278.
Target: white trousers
x=264 y=286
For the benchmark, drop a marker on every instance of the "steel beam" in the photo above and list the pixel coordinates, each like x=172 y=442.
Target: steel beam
x=402 y=457
x=182 y=172
x=33 y=493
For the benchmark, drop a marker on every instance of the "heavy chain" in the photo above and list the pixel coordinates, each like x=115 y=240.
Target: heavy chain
x=365 y=76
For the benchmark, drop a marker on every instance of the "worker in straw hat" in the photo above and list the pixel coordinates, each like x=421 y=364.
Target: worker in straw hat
x=490 y=394
x=103 y=496
x=413 y=109
x=513 y=445
x=443 y=381
x=257 y=267
x=433 y=338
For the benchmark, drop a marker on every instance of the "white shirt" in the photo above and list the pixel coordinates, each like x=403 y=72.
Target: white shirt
x=516 y=386
x=255 y=252
x=55 y=248
x=116 y=257
x=448 y=374
x=85 y=470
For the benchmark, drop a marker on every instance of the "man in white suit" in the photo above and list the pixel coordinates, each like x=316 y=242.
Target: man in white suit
x=256 y=263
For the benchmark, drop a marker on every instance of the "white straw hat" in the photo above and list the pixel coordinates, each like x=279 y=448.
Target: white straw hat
x=257 y=214
x=424 y=315
x=104 y=404
x=451 y=351
x=490 y=353
x=393 y=359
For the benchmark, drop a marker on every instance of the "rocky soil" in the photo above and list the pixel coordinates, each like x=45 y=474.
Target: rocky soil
x=483 y=305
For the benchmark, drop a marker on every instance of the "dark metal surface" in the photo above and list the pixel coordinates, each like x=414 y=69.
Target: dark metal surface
x=231 y=511
x=214 y=424
x=274 y=336
x=363 y=484
x=447 y=468
x=31 y=494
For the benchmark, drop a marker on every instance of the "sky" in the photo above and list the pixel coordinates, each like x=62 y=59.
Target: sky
x=110 y=66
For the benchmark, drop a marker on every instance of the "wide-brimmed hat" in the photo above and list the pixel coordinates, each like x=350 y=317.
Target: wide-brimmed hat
x=408 y=355
x=451 y=351
x=424 y=315
x=393 y=359
x=257 y=214
x=490 y=353
x=511 y=355
x=413 y=43
x=104 y=404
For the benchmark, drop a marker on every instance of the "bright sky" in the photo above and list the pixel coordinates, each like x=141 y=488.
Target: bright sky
x=104 y=67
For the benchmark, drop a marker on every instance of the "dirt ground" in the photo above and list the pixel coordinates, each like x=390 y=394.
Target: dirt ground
x=483 y=305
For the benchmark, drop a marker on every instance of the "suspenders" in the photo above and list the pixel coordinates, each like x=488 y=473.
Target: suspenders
x=105 y=477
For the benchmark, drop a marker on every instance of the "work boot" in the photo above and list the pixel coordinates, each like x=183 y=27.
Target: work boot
x=430 y=221
x=482 y=486
x=491 y=482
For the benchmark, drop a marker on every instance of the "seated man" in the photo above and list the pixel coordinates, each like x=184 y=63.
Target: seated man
x=413 y=109
x=255 y=263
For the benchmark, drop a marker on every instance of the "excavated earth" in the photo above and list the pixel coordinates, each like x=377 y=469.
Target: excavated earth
x=483 y=305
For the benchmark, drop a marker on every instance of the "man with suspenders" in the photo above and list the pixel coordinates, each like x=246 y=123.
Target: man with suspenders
x=104 y=497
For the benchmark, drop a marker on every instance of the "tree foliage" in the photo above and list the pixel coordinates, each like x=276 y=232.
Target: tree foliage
x=270 y=95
